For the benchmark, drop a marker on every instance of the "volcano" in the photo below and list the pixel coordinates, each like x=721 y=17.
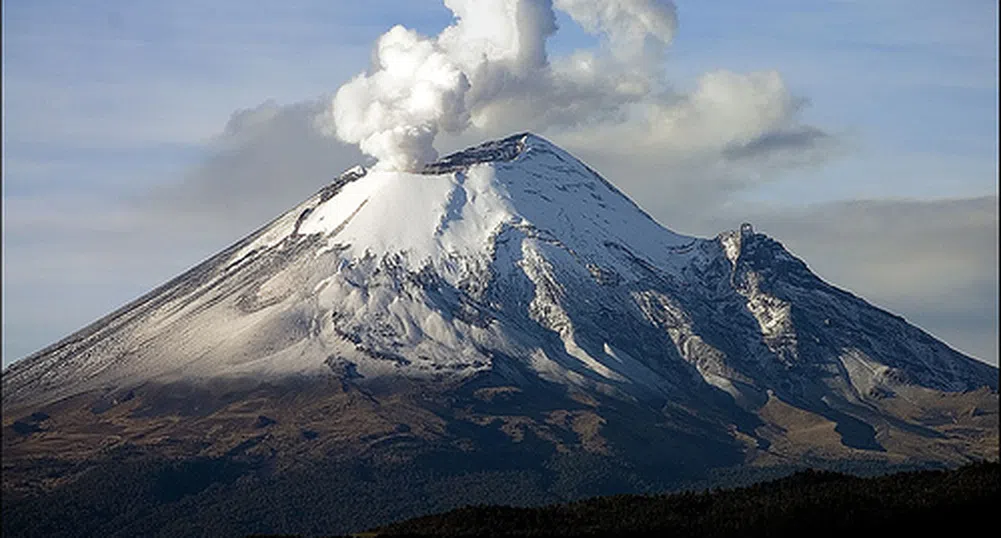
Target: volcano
x=501 y=326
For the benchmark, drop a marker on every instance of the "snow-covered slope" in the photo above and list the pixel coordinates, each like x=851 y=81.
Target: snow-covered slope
x=515 y=258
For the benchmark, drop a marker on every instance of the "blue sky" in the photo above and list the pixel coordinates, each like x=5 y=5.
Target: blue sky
x=118 y=111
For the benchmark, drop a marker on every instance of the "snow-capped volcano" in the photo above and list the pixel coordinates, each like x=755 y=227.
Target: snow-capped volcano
x=512 y=258
x=387 y=272
x=502 y=327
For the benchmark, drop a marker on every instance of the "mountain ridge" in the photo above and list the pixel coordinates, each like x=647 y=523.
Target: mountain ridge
x=504 y=314
x=306 y=223
x=621 y=256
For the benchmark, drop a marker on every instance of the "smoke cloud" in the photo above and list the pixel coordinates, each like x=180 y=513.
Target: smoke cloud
x=491 y=65
x=636 y=30
x=489 y=74
x=415 y=90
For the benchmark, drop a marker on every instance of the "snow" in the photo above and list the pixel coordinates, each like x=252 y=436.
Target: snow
x=434 y=218
x=731 y=246
x=387 y=212
x=452 y=223
x=427 y=274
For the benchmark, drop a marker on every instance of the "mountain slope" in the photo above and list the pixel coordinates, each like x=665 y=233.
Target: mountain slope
x=416 y=274
x=506 y=304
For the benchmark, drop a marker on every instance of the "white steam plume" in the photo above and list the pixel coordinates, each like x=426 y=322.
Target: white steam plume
x=494 y=54
x=635 y=29
x=490 y=70
x=414 y=91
